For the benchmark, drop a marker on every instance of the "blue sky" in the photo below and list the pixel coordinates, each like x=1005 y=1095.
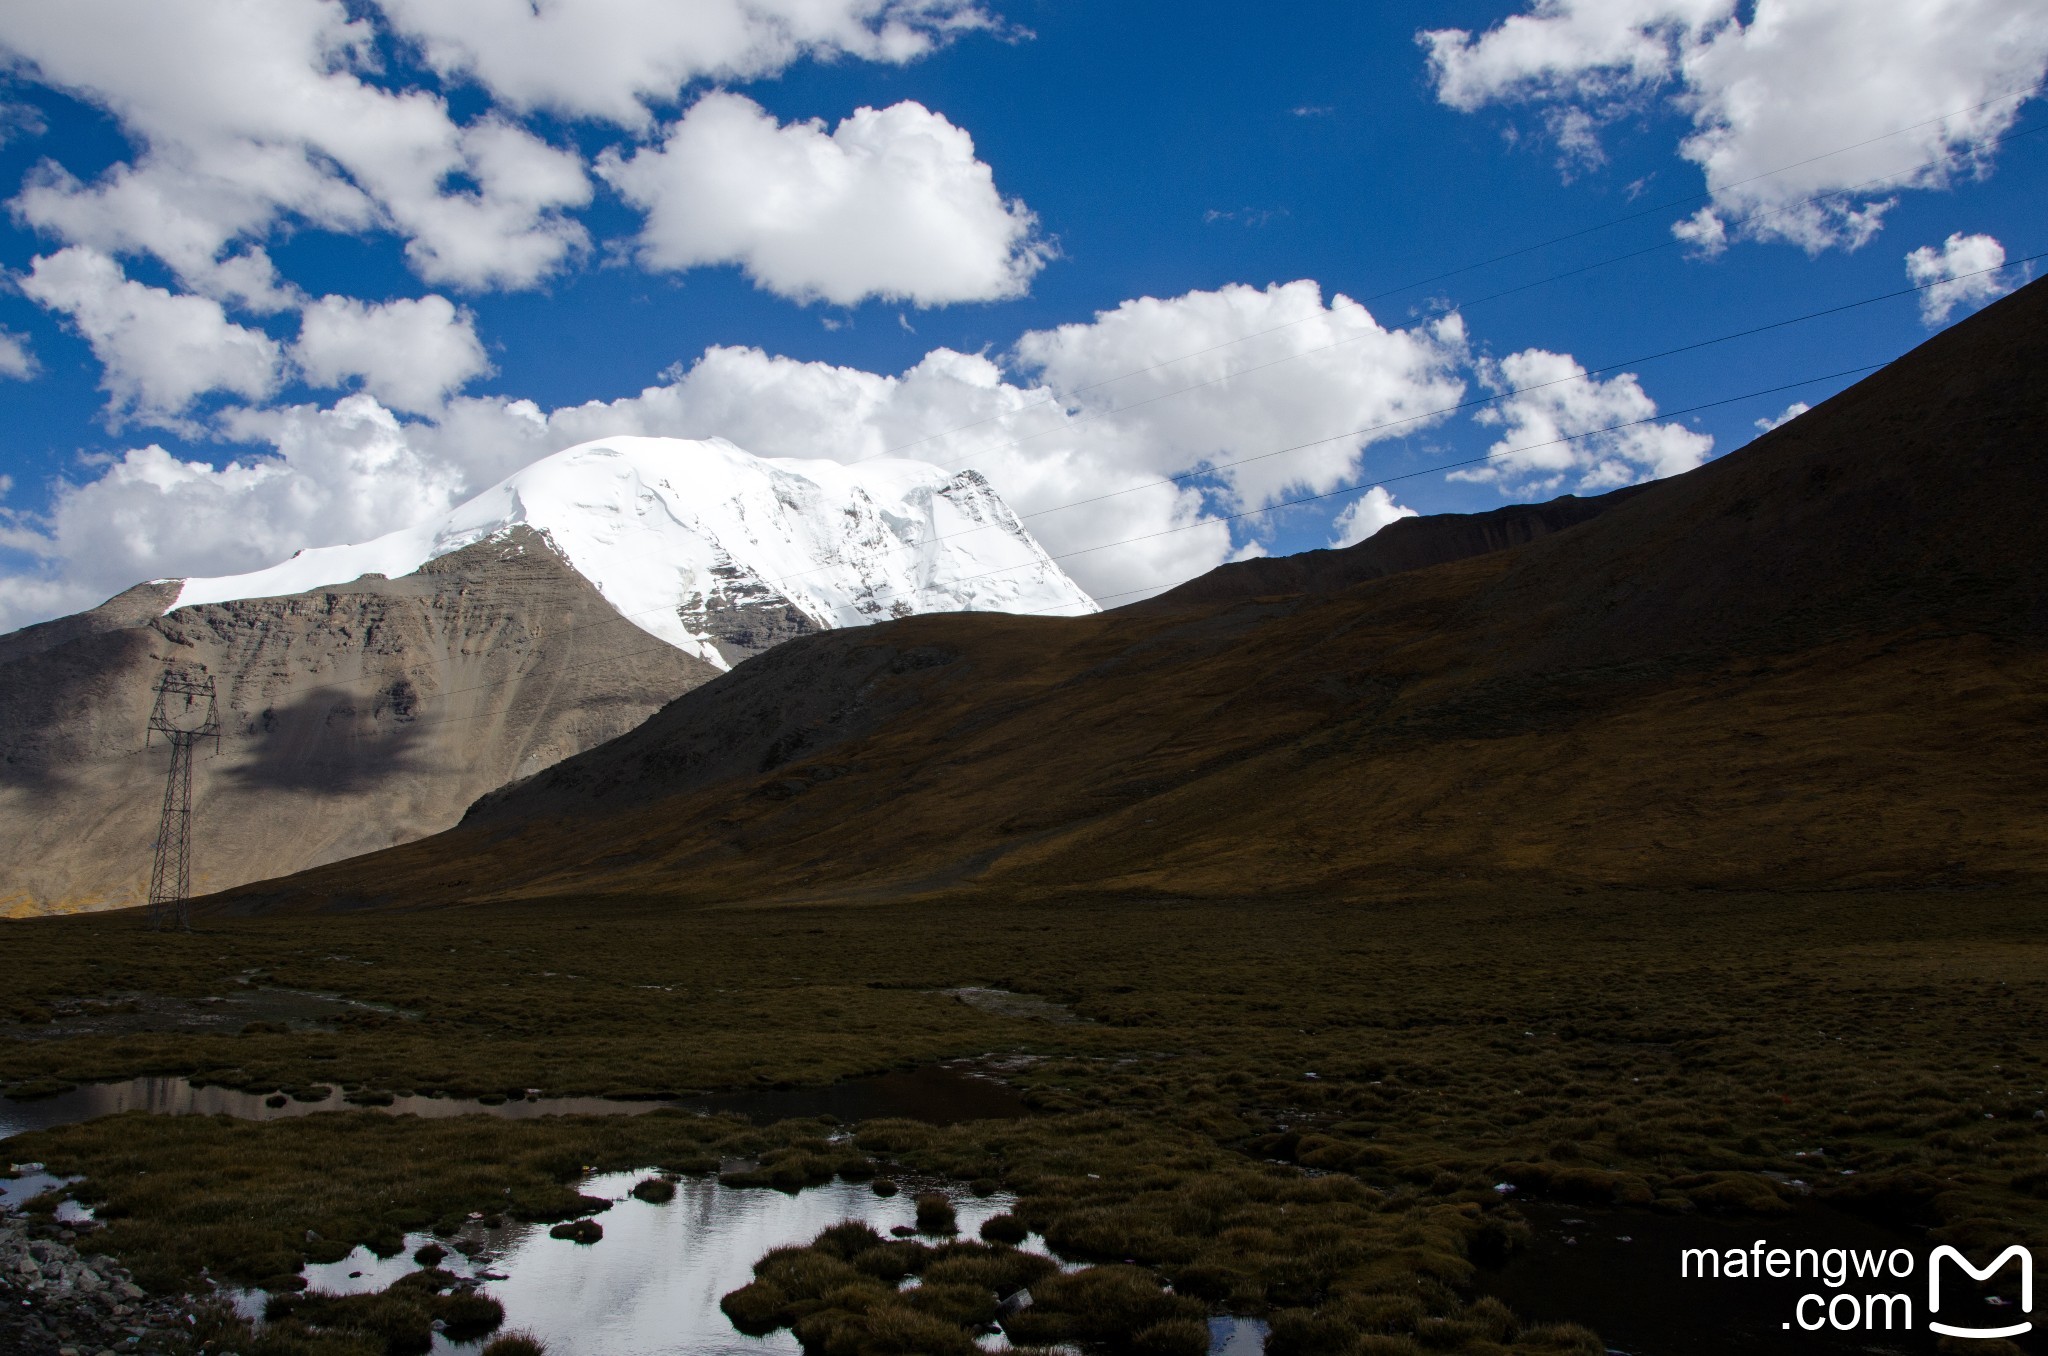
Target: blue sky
x=207 y=371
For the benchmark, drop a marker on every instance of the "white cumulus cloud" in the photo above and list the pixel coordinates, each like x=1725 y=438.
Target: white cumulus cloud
x=1790 y=412
x=1788 y=94
x=254 y=112
x=410 y=354
x=1325 y=375
x=347 y=475
x=1093 y=420
x=1367 y=514
x=1562 y=430
x=1968 y=270
x=891 y=203
x=161 y=351
x=609 y=59
x=17 y=361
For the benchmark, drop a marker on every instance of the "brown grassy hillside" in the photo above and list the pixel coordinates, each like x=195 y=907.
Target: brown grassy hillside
x=1817 y=662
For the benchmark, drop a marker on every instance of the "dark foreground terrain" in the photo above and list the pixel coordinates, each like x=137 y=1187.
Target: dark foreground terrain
x=1293 y=1108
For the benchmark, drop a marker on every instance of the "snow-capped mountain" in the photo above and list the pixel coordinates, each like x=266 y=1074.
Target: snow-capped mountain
x=370 y=693
x=721 y=553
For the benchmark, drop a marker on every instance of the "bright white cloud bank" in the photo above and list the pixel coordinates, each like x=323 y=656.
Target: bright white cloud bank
x=1565 y=432
x=1968 y=270
x=160 y=351
x=1795 y=89
x=1366 y=515
x=253 y=117
x=891 y=203
x=1102 y=412
x=408 y=354
x=1783 y=417
x=609 y=59
x=252 y=112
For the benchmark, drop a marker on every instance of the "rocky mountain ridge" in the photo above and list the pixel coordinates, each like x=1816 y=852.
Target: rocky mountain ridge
x=370 y=693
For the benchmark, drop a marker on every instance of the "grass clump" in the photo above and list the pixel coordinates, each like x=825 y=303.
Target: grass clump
x=841 y=1292
x=655 y=1190
x=1108 y=1305
x=1004 y=1228
x=515 y=1344
x=935 y=1214
x=585 y=1231
x=399 y=1321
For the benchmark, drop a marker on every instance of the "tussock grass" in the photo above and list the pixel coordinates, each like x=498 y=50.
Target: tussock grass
x=398 y=1321
x=240 y=1198
x=1634 y=1048
x=655 y=1190
x=578 y=1231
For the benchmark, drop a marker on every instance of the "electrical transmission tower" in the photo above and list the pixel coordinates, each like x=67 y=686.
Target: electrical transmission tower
x=177 y=717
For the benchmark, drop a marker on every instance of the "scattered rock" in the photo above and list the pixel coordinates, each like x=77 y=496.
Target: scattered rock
x=56 y=1300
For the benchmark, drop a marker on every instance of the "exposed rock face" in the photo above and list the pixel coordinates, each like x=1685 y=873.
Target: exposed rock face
x=353 y=717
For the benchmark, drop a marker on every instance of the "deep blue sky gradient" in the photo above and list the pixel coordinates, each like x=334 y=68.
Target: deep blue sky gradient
x=1128 y=129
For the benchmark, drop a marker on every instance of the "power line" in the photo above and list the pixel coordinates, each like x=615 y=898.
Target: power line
x=1364 y=485
x=1462 y=307
x=1476 y=401
x=2022 y=94
x=627 y=618
x=1355 y=488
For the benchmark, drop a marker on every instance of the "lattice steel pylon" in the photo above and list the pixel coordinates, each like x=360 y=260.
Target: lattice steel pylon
x=177 y=718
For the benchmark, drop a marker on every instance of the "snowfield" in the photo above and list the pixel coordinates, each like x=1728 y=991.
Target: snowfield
x=672 y=530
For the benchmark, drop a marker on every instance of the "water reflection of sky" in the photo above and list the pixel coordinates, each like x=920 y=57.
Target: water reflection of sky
x=653 y=1282
x=935 y=1094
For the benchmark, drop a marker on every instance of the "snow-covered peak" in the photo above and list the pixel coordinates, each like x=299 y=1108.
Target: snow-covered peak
x=719 y=552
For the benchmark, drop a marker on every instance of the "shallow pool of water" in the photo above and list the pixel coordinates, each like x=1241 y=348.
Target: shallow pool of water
x=937 y=1094
x=653 y=1282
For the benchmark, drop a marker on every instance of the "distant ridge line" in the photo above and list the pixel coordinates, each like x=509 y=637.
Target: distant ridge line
x=1403 y=545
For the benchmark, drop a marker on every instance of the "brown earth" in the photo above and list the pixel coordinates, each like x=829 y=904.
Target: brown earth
x=353 y=717
x=1818 y=662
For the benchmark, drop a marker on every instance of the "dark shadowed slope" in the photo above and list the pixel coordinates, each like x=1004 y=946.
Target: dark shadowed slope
x=355 y=717
x=1821 y=660
x=1408 y=544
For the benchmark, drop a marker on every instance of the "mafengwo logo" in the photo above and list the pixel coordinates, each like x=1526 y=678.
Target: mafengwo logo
x=2013 y=1253
x=1869 y=1289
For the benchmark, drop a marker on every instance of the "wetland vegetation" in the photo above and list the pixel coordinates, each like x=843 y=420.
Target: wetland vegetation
x=1307 y=1111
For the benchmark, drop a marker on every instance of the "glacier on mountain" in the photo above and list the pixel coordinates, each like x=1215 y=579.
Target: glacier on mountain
x=721 y=553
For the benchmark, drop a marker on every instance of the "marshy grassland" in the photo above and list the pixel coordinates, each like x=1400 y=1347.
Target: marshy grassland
x=1296 y=1108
